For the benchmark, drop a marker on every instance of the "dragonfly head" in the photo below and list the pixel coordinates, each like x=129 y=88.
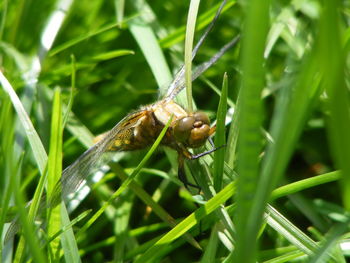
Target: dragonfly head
x=192 y=130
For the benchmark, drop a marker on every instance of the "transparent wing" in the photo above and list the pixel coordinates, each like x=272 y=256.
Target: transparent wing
x=77 y=172
x=178 y=83
x=91 y=159
x=174 y=90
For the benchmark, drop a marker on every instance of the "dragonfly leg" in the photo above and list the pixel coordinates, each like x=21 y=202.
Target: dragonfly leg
x=211 y=142
x=182 y=176
x=196 y=156
x=184 y=153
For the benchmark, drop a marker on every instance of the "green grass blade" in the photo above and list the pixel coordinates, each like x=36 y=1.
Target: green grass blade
x=332 y=60
x=298 y=186
x=203 y=20
x=250 y=120
x=220 y=139
x=190 y=28
x=289 y=231
x=147 y=41
x=120 y=4
x=33 y=137
x=7 y=165
x=211 y=249
x=233 y=134
x=80 y=39
x=55 y=171
x=28 y=237
x=72 y=90
x=113 y=54
x=68 y=241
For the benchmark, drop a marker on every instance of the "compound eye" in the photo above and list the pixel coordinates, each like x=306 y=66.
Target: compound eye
x=183 y=127
x=201 y=117
x=199 y=135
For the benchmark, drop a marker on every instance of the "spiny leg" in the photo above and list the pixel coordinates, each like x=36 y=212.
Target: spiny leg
x=181 y=173
x=184 y=153
x=196 y=156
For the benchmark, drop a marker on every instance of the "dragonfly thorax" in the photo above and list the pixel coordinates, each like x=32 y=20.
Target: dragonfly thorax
x=189 y=129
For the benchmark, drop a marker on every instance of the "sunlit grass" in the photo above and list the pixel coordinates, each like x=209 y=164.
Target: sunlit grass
x=275 y=194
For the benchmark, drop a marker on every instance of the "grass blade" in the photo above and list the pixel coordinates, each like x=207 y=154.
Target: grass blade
x=54 y=172
x=249 y=140
x=147 y=40
x=33 y=137
x=191 y=24
x=220 y=140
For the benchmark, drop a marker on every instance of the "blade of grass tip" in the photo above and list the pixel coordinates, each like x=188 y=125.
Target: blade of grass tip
x=112 y=54
x=298 y=186
x=82 y=38
x=233 y=133
x=33 y=137
x=211 y=85
x=190 y=28
x=250 y=137
x=220 y=140
x=54 y=172
x=120 y=11
x=186 y=224
x=69 y=106
x=127 y=181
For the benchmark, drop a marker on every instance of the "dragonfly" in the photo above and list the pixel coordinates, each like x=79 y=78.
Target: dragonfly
x=141 y=128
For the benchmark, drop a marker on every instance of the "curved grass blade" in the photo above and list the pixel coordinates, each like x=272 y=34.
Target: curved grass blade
x=305 y=184
x=33 y=137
